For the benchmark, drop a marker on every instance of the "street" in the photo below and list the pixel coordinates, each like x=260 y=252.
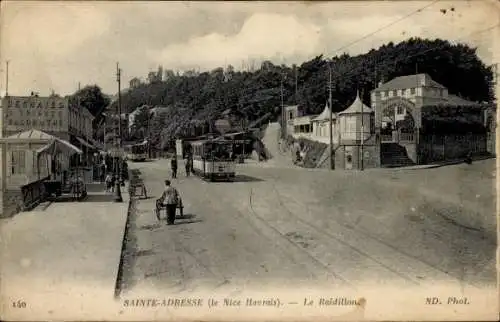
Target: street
x=296 y=228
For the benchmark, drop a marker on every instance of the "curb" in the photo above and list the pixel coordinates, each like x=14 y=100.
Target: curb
x=119 y=275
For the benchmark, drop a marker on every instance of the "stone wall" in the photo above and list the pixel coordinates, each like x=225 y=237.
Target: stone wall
x=12 y=202
x=368 y=154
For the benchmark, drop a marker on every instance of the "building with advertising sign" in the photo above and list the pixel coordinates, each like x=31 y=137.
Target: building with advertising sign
x=53 y=115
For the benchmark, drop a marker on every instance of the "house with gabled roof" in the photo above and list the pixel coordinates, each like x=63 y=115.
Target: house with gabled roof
x=408 y=112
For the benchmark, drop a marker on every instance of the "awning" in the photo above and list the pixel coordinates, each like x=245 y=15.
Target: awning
x=85 y=143
x=59 y=145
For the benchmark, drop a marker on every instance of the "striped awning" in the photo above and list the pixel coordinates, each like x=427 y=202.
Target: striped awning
x=85 y=143
x=59 y=145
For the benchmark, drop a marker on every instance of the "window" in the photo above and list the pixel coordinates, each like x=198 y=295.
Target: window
x=412 y=91
x=290 y=115
x=34 y=122
x=18 y=163
x=10 y=122
x=17 y=104
x=53 y=104
x=25 y=104
x=400 y=110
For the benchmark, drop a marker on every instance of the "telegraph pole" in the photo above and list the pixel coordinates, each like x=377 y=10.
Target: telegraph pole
x=283 y=114
x=6 y=78
x=296 y=85
x=118 y=195
x=332 y=161
x=362 y=131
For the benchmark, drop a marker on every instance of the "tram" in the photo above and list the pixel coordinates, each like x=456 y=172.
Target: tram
x=137 y=152
x=213 y=159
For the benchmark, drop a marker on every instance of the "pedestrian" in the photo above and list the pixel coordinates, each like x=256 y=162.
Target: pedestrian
x=188 y=166
x=170 y=198
x=173 y=165
x=468 y=158
x=102 y=172
x=109 y=183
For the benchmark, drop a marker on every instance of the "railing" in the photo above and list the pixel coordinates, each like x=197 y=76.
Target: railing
x=406 y=137
x=33 y=193
x=386 y=138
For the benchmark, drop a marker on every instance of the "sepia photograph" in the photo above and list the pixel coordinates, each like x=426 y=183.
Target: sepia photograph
x=249 y=160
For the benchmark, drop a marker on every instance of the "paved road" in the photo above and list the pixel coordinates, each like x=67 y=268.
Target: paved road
x=282 y=228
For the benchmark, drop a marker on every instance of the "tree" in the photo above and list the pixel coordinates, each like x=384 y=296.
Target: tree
x=91 y=98
x=141 y=125
x=204 y=96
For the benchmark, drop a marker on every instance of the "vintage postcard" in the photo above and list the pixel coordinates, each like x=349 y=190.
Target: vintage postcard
x=248 y=161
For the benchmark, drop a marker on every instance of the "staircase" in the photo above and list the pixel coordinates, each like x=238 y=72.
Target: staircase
x=394 y=155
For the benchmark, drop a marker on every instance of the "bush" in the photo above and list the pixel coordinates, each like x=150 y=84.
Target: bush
x=314 y=152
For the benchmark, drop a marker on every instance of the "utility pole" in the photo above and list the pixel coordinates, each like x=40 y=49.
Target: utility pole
x=296 y=85
x=362 y=131
x=283 y=114
x=332 y=161
x=118 y=195
x=6 y=78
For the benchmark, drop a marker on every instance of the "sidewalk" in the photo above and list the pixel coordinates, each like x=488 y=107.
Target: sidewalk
x=62 y=260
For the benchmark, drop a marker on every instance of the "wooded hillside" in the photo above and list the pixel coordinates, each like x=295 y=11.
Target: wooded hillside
x=203 y=96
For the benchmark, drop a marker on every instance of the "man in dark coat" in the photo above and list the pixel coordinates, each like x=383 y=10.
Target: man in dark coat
x=173 y=165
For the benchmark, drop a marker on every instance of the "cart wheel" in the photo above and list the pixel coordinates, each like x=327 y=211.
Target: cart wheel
x=157 y=213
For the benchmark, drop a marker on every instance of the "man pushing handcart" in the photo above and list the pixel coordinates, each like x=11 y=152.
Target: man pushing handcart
x=170 y=201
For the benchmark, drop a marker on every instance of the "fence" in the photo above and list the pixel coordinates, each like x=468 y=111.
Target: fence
x=449 y=147
x=398 y=137
x=406 y=137
x=33 y=194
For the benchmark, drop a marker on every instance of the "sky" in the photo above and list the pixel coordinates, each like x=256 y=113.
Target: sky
x=56 y=45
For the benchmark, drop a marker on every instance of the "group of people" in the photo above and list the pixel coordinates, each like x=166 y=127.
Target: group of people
x=188 y=165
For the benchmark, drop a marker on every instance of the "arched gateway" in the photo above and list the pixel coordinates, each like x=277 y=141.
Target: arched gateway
x=398 y=120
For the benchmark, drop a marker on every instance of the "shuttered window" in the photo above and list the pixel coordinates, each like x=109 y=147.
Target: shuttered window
x=18 y=162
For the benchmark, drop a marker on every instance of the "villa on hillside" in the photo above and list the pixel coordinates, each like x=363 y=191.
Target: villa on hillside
x=411 y=120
